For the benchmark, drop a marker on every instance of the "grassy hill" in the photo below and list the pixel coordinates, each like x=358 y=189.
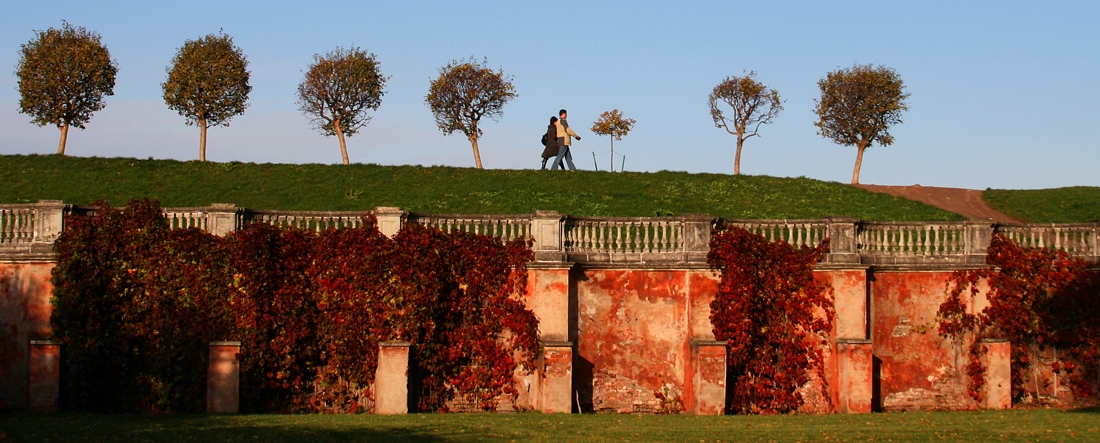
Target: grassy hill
x=77 y=180
x=1079 y=204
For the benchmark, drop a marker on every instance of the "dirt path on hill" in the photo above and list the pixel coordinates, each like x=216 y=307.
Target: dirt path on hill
x=965 y=202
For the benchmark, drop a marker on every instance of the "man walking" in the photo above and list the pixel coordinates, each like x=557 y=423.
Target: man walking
x=564 y=141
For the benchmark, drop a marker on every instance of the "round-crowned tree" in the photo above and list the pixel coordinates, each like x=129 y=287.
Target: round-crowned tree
x=208 y=83
x=64 y=74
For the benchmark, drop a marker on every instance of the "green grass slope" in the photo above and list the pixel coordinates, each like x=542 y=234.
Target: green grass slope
x=1079 y=204
x=76 y=180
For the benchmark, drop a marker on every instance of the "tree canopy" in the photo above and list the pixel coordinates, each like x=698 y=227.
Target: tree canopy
x=857 y=107
x=751 y=104
x=64 y=74
x=338 y=90
x=208 y=83
x=464 y=93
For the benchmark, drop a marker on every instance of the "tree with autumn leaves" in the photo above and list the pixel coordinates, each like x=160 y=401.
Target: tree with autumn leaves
x=750 y=103
x=857 y=107
x=463 y=94
x=338 y=90
x=64 y=74
x=613 y=123
x=208 y=83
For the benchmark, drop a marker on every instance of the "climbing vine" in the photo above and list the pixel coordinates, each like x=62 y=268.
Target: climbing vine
x=776 y=319
x=1043 y=301
x=137 y=305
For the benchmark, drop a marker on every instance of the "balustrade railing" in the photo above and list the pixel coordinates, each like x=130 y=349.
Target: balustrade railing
x=1075 y=239
x=316 y=221
x=33 y=227
x=183 y=218
x=16 y=224
x=624 y=235
x=797 y=233
x=912 y=239
x=504 y=227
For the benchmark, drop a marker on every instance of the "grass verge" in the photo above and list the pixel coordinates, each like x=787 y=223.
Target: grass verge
x=1079 y=204
x=438 y=189
x=980 y=426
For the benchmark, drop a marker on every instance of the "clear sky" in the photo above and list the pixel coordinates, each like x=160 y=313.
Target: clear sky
x=1004 y=94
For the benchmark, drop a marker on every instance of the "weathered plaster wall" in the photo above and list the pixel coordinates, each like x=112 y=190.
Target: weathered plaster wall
x=917 y=369
x=24 y=315
x=634 y=333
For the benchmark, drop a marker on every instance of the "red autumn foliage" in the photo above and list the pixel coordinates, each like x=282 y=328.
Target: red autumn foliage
x=775 y=317
x=1039 y=299
x=137 y=305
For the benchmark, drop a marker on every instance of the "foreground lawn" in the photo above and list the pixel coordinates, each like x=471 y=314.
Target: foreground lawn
x=995 y=426
x=1080 y=204
x=77 y=180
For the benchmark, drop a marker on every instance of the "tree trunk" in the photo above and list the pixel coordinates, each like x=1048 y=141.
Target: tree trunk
x=612 y=153
x=64 y=139
x=477 y=154
x=340 y=135
x=202 y=139
x=859 y=162
x=737 y=156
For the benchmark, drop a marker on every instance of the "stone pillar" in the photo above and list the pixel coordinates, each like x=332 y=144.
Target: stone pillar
x=390 y=219
x=854 y=375
x=843 y=240
x=223 y=378
x=708 y=358
x=697 y=231
x=556 y=390
x=548 y=231
x=976 y=244
x=997 y=359
x=221 y=219
x=49 y=221
x=44 y=384
x=391 y=379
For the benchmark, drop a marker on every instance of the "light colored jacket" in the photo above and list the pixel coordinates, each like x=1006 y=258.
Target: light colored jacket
x=564 y=133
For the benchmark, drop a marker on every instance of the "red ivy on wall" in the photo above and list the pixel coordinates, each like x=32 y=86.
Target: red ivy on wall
x=137 y=304
x=774 y=316
x=1039 y=299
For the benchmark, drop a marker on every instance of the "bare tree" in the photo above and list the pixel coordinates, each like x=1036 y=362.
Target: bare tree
x=464 y=93
x=857 y=107
x=338 y=90
x=208 y=83
x=751 y=105
x=64 y=74
x=614 y=124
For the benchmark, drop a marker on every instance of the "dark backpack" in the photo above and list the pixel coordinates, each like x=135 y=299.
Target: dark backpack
x=544 y=139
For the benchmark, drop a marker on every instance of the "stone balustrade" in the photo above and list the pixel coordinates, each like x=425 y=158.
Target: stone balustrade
x=32 y=228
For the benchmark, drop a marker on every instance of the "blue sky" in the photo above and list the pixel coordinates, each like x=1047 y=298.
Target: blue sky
x=1004 y=94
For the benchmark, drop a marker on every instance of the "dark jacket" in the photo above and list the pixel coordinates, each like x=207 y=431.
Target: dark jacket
x=551 y=142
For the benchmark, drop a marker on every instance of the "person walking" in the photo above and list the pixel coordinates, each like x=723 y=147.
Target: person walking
x=551 y=139
x=564 y=133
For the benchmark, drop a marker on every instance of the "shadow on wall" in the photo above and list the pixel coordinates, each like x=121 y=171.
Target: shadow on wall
x=582 y=368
